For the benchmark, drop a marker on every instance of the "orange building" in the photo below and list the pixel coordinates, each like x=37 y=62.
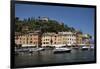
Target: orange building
x=29 y=39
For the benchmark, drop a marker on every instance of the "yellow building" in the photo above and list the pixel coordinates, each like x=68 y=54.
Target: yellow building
x=52 y=39
x=58 y=39
x=47 y=39
x=68 y=38
x=79 y=38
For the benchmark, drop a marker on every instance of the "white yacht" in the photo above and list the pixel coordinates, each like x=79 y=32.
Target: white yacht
x=92 y=47
x=85 y=47
x=61 y=50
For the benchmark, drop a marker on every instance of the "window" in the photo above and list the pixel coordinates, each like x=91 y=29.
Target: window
x=34 y=38
x=24 y=38
x=20 y=41
x=31 y=38
x=27 y=38
x=47 y=42
x=30 y=41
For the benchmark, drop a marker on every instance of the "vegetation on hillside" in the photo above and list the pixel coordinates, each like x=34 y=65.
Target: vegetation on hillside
x=36 y=24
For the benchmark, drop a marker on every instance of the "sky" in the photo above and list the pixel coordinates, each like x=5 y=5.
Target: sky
x=78 y=17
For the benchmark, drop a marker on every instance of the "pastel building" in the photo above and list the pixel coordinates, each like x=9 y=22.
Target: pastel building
x=51 y=39
x=58 y=39
x=68 y=38
x=30 y=39
x=47 y=39
x=79 y=39
x=86 y=40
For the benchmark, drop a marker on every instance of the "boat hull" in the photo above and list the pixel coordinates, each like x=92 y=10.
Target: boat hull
x=68 y=51
x=85 y=49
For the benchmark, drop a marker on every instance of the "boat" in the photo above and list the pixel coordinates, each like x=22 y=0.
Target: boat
x=61 y=50
x=40 y=49
x=92 y=47
x=37 y=49
x=85 y=48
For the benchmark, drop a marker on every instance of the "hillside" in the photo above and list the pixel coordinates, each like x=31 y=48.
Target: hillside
x=31 y=24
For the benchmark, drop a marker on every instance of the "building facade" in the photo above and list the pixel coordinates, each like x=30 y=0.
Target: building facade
x=58 y=39
x=51 y=39
x=68 y=38
x=30 y=39
x=79 y=38
x=86 y=40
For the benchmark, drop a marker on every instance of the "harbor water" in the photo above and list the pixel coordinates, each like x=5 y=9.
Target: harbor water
x=48 y=57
